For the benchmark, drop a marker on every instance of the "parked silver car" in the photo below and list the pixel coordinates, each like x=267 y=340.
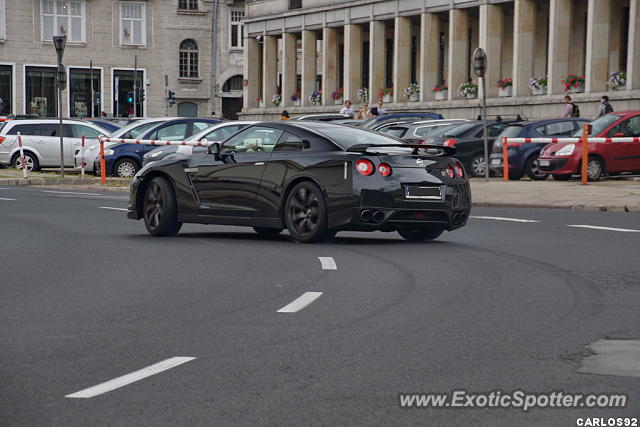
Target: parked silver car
x=41 y=141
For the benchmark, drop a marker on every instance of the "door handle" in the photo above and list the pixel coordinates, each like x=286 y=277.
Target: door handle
x=259 y=163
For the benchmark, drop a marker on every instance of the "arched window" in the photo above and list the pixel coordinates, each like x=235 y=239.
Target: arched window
x=189 y=58
x=233 y=83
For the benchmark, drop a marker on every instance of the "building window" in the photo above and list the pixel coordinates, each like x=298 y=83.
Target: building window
x=232 y=84
x=187 y=109
x=123 y=91
x=189 y=59
x=6 y=89
x=188 y=4
x=295 y=4
x=63 y=18
x=80 y=88
x=236 y=36
x=41 y=91
x=133 y=28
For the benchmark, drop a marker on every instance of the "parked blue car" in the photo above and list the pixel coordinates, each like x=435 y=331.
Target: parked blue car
x=377 y=120
x=523 y=159
x=124 y=160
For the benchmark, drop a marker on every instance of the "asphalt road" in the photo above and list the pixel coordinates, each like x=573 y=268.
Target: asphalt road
x=87 y=296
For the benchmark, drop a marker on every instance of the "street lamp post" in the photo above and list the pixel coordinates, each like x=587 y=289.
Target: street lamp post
x=60 y=42
x=480 y=68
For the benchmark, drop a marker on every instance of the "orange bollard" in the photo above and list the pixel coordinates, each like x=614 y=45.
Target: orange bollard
x=586 y=130
x=505 y=160
x=103 y=164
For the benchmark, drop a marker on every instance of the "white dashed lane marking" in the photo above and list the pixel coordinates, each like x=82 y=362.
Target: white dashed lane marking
x=113 y=209
x=5 y=198
x=72 y=192
x=595 y=227
x=499 y=218
x=300 y=302
x=328 y=263
x=129 y=378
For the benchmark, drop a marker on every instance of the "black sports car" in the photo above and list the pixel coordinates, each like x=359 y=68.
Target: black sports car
x=313 y=178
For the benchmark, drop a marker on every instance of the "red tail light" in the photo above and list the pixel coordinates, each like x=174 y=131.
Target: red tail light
x=450 y=172
x=459 y=170
x=2 y=138
x=449 y=142
x=365 y=167
x=384 y=169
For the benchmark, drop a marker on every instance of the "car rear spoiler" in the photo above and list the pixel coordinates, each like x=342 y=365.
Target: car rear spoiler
x=442 y=150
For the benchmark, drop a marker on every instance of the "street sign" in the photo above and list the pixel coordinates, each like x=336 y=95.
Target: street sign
x=479 y=62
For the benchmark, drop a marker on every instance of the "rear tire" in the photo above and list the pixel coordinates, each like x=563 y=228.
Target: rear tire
x=532 y=169
x=558 y=177
x=306 y=213
x=30 y=158
x=159 y=208
x=595 y=169
x=478 y=166
x=420 y=234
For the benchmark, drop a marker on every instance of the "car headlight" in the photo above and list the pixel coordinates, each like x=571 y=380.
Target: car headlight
x=108 y=152
x=567 y=150
x=155 y=153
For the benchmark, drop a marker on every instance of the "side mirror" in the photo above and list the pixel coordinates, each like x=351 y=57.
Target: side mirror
x=215 y=148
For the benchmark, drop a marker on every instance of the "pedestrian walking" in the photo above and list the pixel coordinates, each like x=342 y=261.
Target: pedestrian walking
x=364 y=112
x=347 y=110
x=570 y=108
x=605 y=106
x=284 y=115
x=378 y=109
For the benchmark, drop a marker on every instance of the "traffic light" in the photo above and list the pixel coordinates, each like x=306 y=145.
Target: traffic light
x=140 y=94
x=130 y=96
x=171 y=98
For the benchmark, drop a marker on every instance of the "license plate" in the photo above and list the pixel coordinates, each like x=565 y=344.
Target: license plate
x=496 y=162
x=544 y=162
x=423 y=192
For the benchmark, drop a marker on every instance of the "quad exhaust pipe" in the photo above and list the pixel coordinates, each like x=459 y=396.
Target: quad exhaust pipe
x=367 y=215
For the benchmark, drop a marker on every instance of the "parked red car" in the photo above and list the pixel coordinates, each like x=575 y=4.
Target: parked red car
x=564 y=159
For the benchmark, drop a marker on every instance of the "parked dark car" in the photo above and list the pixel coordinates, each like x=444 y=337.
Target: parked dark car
x=124 y=160
x=467 y=138
x=523 y=158
x=417 y=131
x=398 y=117
x=322 y=117
x=313 y=178
x=564 y=159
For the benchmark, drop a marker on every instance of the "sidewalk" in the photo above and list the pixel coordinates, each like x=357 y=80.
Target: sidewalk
x=11 y=177
x=611 y=195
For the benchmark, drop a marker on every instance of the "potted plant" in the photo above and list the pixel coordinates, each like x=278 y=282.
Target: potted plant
x=259 y=101
x=441 y=91
x=337 y=95
x=468 y=90
x=538 y=85
x=617 y=80
x=386 y=94
x=276 y=99
x=316 y=97
x=363 y=95
x=573 y=83
x=295 y=97
x=505 y=87
x=413 y=92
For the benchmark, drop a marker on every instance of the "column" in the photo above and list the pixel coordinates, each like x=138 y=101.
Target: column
x=251 y=72
x=377 y=58
x=289 y=77
x=309 y=71
x=428 y=67
x=352 y=61
x=329 y=58
x=458 y=35
x=491 y=41
x=560 y=12
x=597 y=61
x=523 y=45
x=269 y=68
x=633 y=58
x=401 y=58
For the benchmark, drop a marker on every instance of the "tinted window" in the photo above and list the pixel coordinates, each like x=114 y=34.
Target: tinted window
x=461 y=129
x=136 y=131
x=347 y=137
x=80 y=130
x=289 y=142
x=23 y=129
x=40 y=129
x=222 y=133
x=630 y=127
x=174 y=132
x=511 y=131
x=496 y=129
x=559 y=129
x=396 y=131
x=600 y=124
x=200 y=126
x=254 y=139
x=427 y=130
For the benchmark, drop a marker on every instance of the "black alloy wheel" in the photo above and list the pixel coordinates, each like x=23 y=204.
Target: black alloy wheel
x=306 y=213
x=159 y=209
x=532 y=169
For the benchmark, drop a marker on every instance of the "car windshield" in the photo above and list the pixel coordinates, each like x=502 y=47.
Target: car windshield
x=347 y=137
x=600 y=124
x=460 y=129
x=510 y=132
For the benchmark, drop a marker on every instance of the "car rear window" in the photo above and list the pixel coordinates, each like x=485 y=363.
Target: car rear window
x=397 y=131
x=347 y=137
x=511 y=131
x=460 y=130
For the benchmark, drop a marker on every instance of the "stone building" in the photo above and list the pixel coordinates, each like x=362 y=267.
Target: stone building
x=304 y=45
x=170 y=38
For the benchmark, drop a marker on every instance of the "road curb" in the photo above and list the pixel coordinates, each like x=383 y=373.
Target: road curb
x=20 y=182
x=632 y=209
